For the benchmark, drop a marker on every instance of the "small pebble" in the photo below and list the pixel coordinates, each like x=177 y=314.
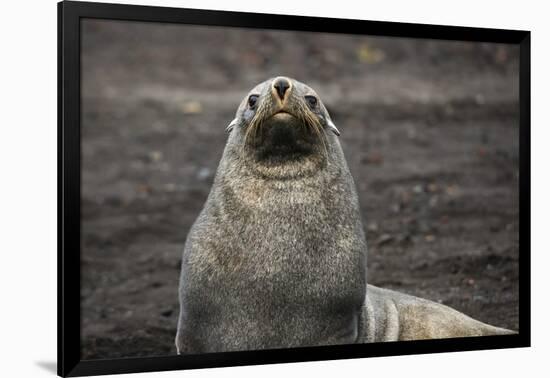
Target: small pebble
x=372 y=226
x=191 y=107
x=155 y=156
x=167 y=313
x=203 y=173
x=418 y=189
x=384 y=239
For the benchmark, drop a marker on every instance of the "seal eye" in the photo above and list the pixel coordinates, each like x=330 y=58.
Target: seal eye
x=252 y=101
x=312 y=101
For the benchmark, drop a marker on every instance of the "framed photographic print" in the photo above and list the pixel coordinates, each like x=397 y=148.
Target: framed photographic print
x=239 y=188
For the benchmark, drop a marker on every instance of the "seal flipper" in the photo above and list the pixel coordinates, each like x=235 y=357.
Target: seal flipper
x=379 y=321
x=392 y=316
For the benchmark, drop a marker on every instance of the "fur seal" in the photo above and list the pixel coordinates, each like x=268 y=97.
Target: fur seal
x=277 y=257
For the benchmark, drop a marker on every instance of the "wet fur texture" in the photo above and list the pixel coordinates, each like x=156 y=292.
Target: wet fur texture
x=278 y=258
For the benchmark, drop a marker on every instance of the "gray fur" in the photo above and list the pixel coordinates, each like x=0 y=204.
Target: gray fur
x=277 y=257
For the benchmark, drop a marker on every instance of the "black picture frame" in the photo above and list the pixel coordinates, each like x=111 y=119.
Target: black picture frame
x=69 y=178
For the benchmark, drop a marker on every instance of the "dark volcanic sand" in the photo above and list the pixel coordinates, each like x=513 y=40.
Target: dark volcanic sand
x=429 y=130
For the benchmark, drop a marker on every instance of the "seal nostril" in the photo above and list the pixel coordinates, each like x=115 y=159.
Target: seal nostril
x=281 y=86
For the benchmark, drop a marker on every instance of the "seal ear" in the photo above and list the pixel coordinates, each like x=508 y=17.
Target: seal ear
x=231 y=125
x=332 y=127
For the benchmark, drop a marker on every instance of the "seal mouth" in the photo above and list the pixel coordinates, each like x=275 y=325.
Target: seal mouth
x=282 y=115
x=282 y=119
x=284 y=138
x=282 y=134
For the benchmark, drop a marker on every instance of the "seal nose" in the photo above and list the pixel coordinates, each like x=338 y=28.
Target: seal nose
x=281 y=85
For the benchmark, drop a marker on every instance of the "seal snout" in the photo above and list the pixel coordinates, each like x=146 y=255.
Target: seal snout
x=281 y=85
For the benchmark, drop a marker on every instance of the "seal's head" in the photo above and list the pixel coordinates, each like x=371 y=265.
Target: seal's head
x=283 y=129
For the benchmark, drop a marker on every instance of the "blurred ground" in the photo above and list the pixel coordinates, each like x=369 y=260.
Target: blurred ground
x=429 y=129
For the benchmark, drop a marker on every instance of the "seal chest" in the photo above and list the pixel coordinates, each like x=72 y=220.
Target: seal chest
x=277 y=257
